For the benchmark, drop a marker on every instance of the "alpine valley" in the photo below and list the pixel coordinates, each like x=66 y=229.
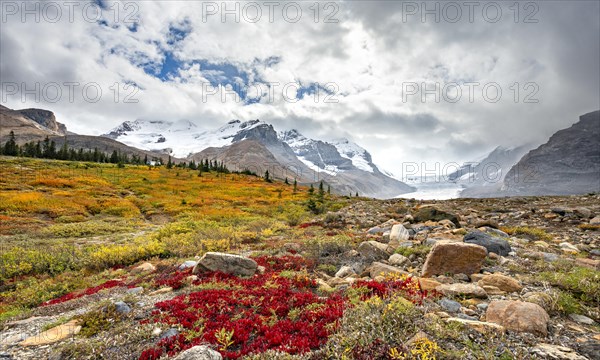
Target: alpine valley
x=256 y=146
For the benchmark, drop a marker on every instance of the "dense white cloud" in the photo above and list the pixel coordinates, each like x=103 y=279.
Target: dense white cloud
x=370 y=54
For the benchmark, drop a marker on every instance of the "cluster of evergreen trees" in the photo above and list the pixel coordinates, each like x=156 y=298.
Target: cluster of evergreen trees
x=202 y=166
x=47 y=149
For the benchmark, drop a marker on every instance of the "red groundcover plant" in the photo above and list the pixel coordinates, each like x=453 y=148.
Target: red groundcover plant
x=268 y=311
x=89 y=291
x=244 y=316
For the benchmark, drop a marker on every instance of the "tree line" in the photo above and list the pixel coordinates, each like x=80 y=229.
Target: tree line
x=47 y=149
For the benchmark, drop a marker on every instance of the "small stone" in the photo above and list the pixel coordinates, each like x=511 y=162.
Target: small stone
x=595 y=221
x=145 y=267
x=188 y=264
x=569 y=248
x=378 y=269
x=450 y=305
x=374 y=250
x=398 y=260
x=345 y=271
x=588 y=263
x=482 y=306
x=122 y=307
x=375 y=230
x=479 y=326
x=398 y=234
x=13 y=339
x=492 y=290
x=200 y=352
x=169 y=333
x=135 y=290
x=502 y=282
x=428 y=284
x=461 y=277
x=164 y=290
x=549 y=351
x=156 y=331
x=582 y=212
x=467 y=290
x=581 y=319
x=542 y=299
x=323 y=286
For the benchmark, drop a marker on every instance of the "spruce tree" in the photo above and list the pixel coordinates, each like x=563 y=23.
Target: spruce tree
x=169 y=163
x=295 y=185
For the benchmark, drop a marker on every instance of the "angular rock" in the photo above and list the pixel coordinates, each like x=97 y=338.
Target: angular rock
x=399 y=234
x=375 y=230
x=226 y=263
x=188 y=264
x=466 y=290
x=479 y=326
x=581 y=319
x=549 y=351
x=453 y=257
x=539 y=298
x=450 y=305
x=588 y=263
x=374 y=250
x=398 y=260
x=200 y=352
x=493 y=244
x=345 y=271
x=379 y=269
x=168 y=333
x=122 y=307
x=518 y=316
x=502 y=282
x=492 y=290
x=582 y=212
x=135 y=290
x=595 y=221
x=428 y=284
x=53 y=335
x=145 y=267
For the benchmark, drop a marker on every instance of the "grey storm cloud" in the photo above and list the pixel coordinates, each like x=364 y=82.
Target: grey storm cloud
x=370 y=52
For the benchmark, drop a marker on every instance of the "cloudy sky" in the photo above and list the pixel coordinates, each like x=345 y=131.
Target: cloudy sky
x=356 y=69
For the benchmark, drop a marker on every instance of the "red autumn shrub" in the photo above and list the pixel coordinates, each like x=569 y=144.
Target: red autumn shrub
x=256 y=314
x=89 y=291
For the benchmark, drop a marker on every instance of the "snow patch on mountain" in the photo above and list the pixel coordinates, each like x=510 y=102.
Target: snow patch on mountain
x=358 y=155
x=180 y=138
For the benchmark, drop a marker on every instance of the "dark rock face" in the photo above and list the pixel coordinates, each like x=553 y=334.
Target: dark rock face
x=492 y=243
x=569 y=163
x=45 y=118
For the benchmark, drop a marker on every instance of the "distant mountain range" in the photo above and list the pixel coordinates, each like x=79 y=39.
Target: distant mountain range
x=257 y=146
x=486 y=176
x=569 y=163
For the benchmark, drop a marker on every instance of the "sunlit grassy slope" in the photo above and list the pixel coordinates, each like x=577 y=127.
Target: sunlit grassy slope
x=63 y=224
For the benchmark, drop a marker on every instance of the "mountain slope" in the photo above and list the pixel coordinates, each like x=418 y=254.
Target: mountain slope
x=569 y=163
x=28 y=124
x=37 y=124
x=484 y=178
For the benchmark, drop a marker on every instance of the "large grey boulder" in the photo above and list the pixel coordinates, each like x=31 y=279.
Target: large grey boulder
x=226 y=263
x=493 y=244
